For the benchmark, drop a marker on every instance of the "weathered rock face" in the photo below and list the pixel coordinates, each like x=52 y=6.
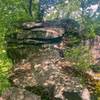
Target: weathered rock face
x=19 y=94
x=96 y=50
x=45 y=69
x=58 y=26
x=85 y=94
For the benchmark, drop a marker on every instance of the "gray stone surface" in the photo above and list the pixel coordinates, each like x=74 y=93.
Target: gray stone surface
x=19 y=94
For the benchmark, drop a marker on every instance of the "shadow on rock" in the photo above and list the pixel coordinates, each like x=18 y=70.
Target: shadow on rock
x=46 y=93
x=72 y=96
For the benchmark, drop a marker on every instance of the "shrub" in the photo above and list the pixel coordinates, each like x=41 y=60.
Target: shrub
x=79 y=56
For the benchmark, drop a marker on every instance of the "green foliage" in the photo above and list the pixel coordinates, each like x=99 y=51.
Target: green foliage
x=79 y=56
x=89 y=28
x=5 y=65
x=98 y=88
x=73 y=41
x=11 y=12
x=4 y=83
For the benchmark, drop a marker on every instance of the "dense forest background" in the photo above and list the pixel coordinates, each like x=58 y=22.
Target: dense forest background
x=14 y=12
